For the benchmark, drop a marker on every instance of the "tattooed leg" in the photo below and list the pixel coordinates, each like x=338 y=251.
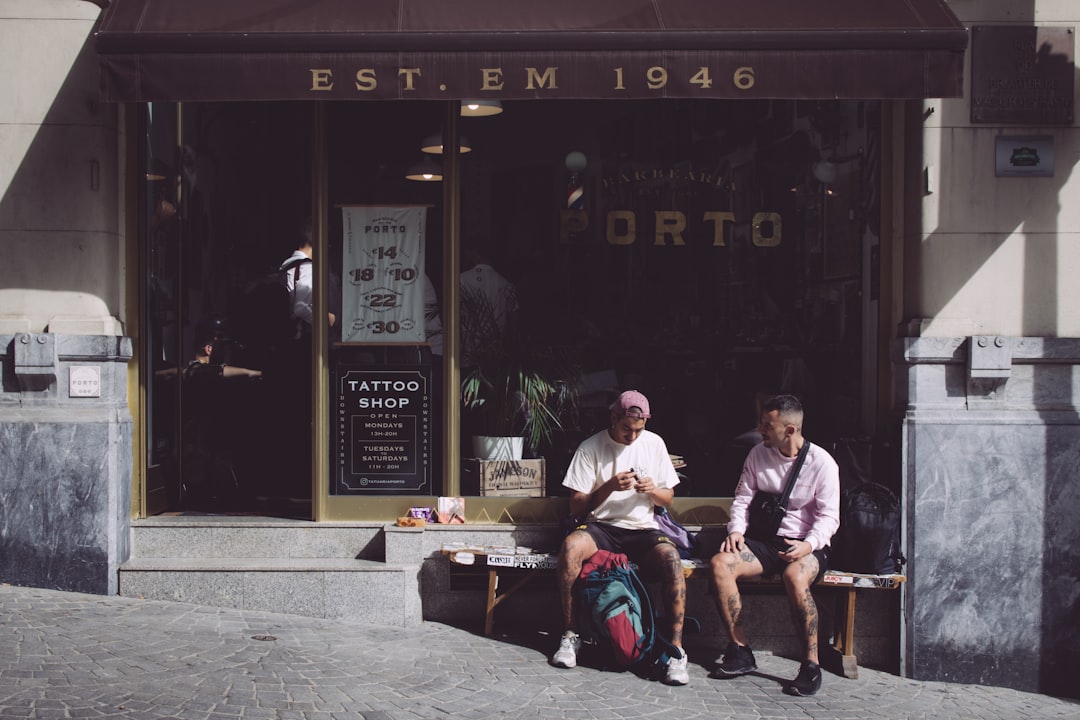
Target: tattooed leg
x=665 y=564
x=804 y=613
x=577 y=547
x=676 y=600
x=727 y=568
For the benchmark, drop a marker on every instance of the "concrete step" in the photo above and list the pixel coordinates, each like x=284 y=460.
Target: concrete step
x=362 y=591
x=325 y=570
x=222 y=536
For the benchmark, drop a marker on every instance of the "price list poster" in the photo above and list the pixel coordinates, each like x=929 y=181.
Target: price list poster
x=383 y=274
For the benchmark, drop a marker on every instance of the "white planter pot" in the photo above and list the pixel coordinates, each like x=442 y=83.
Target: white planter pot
x=487 y=447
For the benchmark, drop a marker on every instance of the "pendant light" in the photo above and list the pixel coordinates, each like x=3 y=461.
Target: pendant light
x=480 y=108
x=433 y=144
x=427 y=170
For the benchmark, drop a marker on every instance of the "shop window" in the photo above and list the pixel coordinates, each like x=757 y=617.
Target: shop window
x=706 y=253
x=386 y=352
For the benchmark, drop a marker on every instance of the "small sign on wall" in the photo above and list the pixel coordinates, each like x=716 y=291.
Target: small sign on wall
x=84 y=381
x=1024 y=156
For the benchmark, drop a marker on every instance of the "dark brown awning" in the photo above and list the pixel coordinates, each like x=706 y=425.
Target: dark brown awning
x=510 y=49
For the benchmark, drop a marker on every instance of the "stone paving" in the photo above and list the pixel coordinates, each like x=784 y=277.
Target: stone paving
x=68 y=655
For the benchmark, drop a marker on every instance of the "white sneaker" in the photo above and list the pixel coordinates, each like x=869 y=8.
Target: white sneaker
x=566 y=655
x=676 y=673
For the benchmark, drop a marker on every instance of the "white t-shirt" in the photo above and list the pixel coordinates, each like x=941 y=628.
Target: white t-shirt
x=599 y=458
x=300 y=285
x=488 y=300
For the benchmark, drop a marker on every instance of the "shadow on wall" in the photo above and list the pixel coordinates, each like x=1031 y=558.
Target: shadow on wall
x=978 y=213
x=1003 y=222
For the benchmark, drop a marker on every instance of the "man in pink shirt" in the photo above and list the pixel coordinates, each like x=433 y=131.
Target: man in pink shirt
x=799 y=551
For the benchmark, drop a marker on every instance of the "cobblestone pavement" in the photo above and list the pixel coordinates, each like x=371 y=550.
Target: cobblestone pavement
x=68 y=655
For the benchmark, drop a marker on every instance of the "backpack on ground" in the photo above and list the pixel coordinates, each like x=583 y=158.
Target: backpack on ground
x=266 y=316
x=868 y=540
x=616 y=609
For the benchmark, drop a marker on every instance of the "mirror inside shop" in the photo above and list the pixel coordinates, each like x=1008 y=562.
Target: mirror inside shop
x=707 y=253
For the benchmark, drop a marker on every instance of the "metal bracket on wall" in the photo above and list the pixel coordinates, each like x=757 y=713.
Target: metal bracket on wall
x=989 y=365
x=36 y=361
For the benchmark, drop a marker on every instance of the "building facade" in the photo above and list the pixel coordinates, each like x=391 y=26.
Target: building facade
x=876 y=219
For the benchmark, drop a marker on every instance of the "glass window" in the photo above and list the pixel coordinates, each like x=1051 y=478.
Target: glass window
x=386 y=249
x=227 y=197
x=708 y=254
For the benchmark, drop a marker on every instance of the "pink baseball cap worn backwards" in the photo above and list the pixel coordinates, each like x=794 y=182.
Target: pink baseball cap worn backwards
x=632 y=399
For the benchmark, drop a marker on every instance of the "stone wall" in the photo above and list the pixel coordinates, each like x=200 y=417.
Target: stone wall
x=65 y=461
x=991 y=435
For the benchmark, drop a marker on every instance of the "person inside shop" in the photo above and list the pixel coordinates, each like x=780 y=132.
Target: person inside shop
x=799 y=551
x=213 y=426
x=300 y=284
x=204 y=366
x=615 y=478
x=292 y=376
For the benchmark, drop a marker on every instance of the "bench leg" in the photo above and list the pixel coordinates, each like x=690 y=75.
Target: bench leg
x=844 y=643
x=492 y=601
x=493 y=598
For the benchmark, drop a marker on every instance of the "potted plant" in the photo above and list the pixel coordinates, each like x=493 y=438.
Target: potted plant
x=514 y=388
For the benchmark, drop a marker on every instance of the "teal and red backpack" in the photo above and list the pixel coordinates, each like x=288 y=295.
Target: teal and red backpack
x=615 y=608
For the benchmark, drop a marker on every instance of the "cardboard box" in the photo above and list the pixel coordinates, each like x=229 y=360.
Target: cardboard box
x=503 y=478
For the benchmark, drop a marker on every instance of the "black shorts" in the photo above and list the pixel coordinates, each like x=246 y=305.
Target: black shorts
x=635 y=544
x=768 y=554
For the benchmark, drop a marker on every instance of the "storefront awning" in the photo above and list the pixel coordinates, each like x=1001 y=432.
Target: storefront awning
x=158 y=50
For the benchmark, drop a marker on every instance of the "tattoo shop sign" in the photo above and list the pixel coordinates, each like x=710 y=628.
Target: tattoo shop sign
x=383 y=433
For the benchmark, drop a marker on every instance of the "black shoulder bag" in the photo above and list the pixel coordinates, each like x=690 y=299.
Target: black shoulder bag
x=767 y=510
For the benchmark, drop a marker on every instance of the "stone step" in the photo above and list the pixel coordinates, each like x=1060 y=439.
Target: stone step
x=255 y=537
x=331 y=588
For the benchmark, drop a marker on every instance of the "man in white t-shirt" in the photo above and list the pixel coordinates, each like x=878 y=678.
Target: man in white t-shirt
x=615 y=478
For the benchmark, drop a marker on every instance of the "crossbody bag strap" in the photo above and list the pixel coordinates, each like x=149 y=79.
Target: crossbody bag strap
x=294 y=265
x=794 y=474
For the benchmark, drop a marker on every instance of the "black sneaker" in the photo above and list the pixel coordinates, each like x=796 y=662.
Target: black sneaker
x=807 y=682
x=738 y=660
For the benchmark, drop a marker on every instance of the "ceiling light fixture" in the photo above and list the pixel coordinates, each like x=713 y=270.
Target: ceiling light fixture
x=433 y=144
x=427 y=170
x=480 y=108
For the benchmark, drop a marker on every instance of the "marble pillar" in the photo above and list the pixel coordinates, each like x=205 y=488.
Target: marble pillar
x=991 y=436
x=65 y=461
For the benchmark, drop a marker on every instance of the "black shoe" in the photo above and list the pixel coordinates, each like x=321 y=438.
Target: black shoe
x=807 y=682
x=738 y=660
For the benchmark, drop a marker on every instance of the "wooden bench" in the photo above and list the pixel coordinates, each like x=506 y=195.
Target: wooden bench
x=526 y=565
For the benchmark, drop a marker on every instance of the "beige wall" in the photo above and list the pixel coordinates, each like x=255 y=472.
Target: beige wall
x=60 y=252
x=993 y=255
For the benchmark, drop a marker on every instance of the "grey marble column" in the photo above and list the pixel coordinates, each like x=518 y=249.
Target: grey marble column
x=65 y=461
x=991 y=434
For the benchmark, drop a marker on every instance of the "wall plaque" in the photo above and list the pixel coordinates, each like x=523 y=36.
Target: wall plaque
x=84 y=381
x=383 y=433
x=1024 y=156
x=1022 y=74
